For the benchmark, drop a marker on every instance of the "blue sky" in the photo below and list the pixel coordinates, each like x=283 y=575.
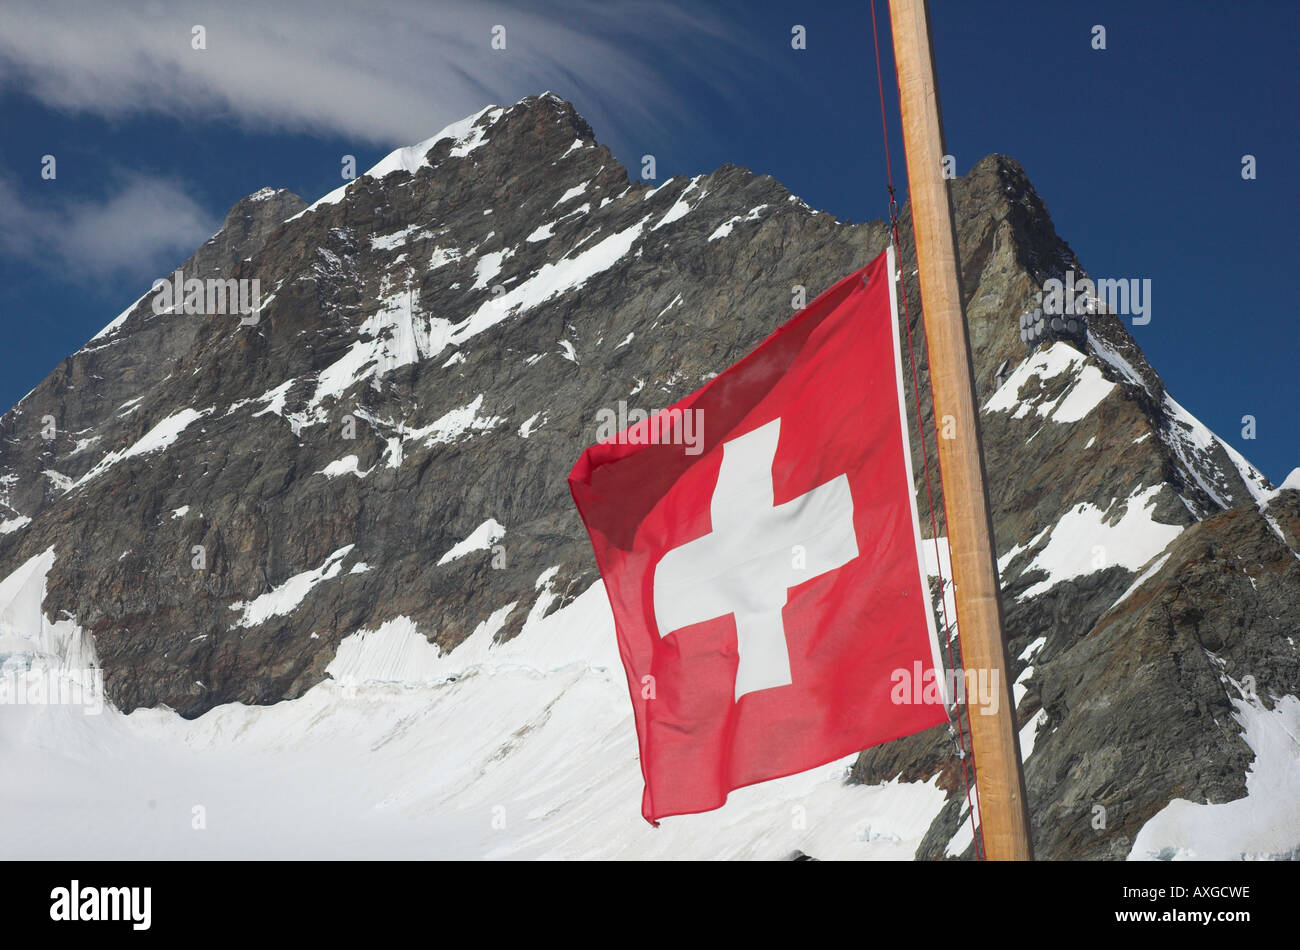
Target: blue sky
x=1136 y=149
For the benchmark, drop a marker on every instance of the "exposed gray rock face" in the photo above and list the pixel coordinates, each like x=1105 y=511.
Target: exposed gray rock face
x=246 y=228
x=440 y=340
x=104 y=382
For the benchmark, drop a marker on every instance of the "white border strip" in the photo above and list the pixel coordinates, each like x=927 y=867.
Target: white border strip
x=940 y=672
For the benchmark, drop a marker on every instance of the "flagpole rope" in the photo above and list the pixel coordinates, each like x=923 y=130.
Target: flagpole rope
x=976 y=838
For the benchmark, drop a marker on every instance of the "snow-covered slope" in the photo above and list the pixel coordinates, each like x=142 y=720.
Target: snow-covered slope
x=522 y=749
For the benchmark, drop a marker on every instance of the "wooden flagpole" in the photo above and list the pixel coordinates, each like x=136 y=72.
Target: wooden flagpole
x=1001 y=784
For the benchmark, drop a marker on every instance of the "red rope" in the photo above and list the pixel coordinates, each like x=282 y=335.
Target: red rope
x=976 y=835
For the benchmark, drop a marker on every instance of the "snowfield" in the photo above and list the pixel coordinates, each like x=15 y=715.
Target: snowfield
x=517 y=750
x=524 y=749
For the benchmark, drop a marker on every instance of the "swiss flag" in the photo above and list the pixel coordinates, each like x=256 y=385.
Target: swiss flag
x=759 y=546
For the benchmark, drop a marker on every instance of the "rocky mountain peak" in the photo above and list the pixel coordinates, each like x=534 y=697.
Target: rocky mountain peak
x=235 y=508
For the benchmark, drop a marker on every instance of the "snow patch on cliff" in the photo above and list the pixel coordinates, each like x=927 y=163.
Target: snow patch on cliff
x=480 y=539
x=285 y=598
x=160 y=437
x=1080 y=398
x=1089 y=539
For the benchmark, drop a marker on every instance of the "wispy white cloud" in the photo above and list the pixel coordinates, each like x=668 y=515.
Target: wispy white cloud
x=386 y=72
x=142 y=227
x=383 y=71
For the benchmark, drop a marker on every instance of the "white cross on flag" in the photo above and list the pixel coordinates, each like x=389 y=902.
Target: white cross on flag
x=767 y=581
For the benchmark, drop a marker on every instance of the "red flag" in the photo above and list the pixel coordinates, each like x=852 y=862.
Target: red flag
x=758 y=542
